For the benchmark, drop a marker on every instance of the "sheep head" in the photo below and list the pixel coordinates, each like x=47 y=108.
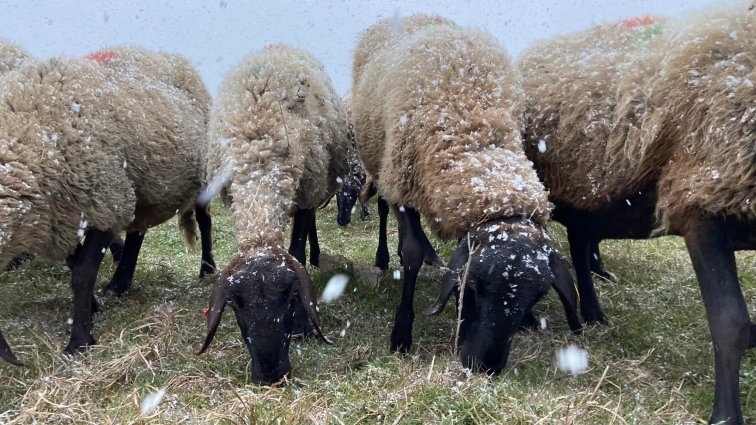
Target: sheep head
x=505 y=268
x=262 y=290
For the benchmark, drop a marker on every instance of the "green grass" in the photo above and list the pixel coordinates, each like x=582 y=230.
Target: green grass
x=652 y=363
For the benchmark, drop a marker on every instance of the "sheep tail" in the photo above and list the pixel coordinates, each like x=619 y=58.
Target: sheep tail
x=188 y=225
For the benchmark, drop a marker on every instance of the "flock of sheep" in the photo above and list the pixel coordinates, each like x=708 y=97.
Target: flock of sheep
x=626 y=130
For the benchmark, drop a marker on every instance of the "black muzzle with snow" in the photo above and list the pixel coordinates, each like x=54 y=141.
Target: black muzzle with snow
x=264 y=291
x=505 y=267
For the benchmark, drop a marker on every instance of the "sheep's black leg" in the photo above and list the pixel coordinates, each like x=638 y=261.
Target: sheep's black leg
x=430 y=258
x=204 y=222
x=382 y=253
x=116 y=249
x=299 y=233
x=597 y=265
x=580 y=250
x=83 y=276
x=713 y=259
x=7 y=354
x=124 y=273
x=413 y=252
x=303 y=219
x=312 y=236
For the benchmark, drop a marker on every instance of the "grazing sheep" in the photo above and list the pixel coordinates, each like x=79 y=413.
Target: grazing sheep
x=174 y=70
x=88 y=151
x=352 y=186
x=277 y=148
x=382 y=35
x=652 y=128
x=585 y=67
x=437 y=123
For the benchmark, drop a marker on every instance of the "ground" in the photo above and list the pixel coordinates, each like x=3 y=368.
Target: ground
x=652 y=363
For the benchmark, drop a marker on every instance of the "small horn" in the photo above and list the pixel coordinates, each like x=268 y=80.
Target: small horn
x=218 y=301
x=7 y=354
x=565 y=289
x=451 y=278
x=306 y=293
x=451 y=282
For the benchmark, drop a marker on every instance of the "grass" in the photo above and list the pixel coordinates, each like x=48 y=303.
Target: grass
x=652 y=364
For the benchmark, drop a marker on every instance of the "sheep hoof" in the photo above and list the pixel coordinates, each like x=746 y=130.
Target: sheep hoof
x=400 y=343
x=76 y=346
x=206 y=270
x=116 y=287
x=594 y=317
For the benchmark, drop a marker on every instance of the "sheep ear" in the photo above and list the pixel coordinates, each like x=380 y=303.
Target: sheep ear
x=7 y=354
x=218 y=300
x=306 y=294
x=451 y=278
x=566 y=290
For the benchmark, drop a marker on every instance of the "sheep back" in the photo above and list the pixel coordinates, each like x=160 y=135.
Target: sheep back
x=58 y=166
x=277 y=139
x=438 y=126
x=84 y=145
x=575 y=90
x=668 y=105
x=385 y=33
x=166 y=154
x=706 y=87
x=12 y=56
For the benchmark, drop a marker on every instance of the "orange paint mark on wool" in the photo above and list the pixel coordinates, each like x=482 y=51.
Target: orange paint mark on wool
x=638 y=21
x=102 y=55
x=275 y=46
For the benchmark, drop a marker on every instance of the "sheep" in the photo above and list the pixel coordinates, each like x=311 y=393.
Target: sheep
x=179 y=74
x=437 y=124
x=90 y=151
x=648 y=129
x=278 y=146
x=350 y=191
x=374 y=39
x=352 y=186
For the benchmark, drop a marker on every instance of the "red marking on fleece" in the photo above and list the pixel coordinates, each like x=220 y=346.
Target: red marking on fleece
x=102 y=55
x=206 y=313
x=638 y=21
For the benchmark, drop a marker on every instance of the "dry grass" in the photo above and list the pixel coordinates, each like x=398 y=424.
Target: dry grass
x=652 y=364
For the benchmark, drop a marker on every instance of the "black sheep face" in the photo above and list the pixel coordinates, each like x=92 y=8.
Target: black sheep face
x=349 y=193
x=263 y=290
x=262 y=296
x=506 y=270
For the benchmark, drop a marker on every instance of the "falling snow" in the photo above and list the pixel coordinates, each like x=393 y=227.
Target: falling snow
x=572 y=360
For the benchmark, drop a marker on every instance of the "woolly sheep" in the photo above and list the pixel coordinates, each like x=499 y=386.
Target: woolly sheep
x=380 y=36
x=437 y=124
x=354 y=183
x=88 y=150
x=662 y=120
x=174 y=70
x=585 y=66
x=277 y=148
x=11 y=57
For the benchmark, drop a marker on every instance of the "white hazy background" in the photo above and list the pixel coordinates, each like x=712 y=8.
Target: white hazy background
x=215 y=35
